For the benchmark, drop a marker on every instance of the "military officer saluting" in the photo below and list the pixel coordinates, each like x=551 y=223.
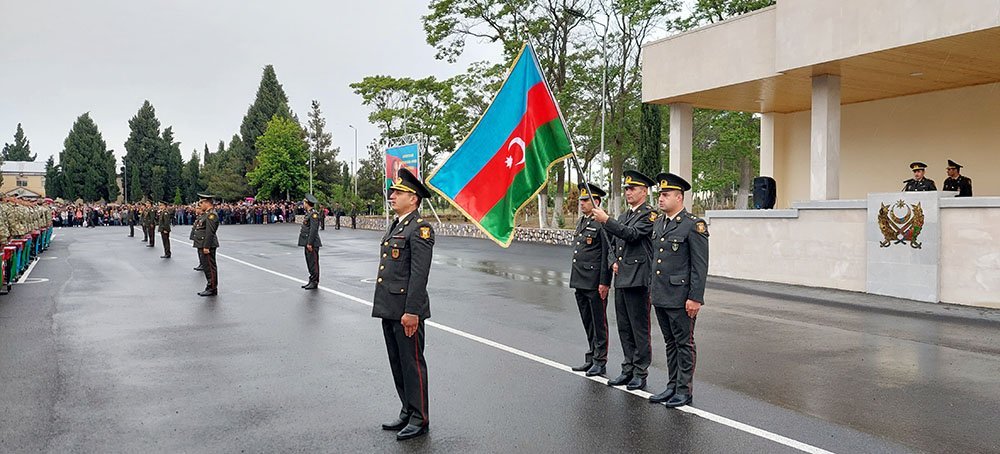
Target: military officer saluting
x=680 y=269
x=163 y=218
x=918 y=182
x=591 y=278
x=402 y=303
x=309 y=239
x=629 y=256
x=956 y=181
x=206 y=242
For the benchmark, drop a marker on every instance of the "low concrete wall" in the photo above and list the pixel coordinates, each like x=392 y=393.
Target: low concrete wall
x=823 y=244
x=527 y=235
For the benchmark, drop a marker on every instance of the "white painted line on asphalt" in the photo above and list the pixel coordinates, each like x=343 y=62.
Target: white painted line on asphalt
x=24 y=277
x=752 y=430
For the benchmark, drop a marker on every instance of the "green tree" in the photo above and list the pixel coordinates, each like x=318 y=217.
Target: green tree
x=191 y=178
x=158 y=191
x=650 y=141
x=281 y=165
x=172 y=162
x=88 y=166
x=326 y=168
x=134 y=188
x=20 y=150
x=52 y=179
x=224 y=172
x=269 y=102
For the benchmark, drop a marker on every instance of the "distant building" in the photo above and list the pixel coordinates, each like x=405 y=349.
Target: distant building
x=23 y=178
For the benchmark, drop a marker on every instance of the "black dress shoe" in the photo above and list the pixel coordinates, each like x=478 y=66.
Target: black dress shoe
x=596 y=370
x=662 y=397
x=582 y=368
x=396 y=425
x=311 y=286
x=636 y=383
x=621 y=380
x=164 y=256
x=198 y=268
x=208 y=293
x=680 y=400
x=411 y=431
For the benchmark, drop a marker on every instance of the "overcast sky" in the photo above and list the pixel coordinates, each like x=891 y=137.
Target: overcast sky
x=199 y=62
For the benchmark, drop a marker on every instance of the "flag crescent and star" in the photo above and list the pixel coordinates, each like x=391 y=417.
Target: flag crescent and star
x=504 y=161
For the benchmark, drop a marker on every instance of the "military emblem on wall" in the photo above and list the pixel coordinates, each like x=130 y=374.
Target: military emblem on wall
x=900 y=223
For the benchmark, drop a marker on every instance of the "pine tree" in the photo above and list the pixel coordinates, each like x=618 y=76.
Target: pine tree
x=270 y=101
x=52 y=178
x=143 y=145
x=650 y=140
x=326 y=169
x=172 y=162
x=191 y=178
x=20 y=150
x=88 y=167
x=225 y=176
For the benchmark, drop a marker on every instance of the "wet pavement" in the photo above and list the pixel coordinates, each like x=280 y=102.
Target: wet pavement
x=108 y=349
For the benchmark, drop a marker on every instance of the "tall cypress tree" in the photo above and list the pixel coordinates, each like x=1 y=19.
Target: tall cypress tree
x=270 y=101
x=20 y=150
x=650 y=140
x=172 y=163
x=191 y=176
x=142 y=147
x=88 y=167
x=52 y=178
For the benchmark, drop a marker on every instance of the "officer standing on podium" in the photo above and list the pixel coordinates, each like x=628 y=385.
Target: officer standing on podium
x=591 y=278
x=680 y=264
x=401 y=302
x=629 y=256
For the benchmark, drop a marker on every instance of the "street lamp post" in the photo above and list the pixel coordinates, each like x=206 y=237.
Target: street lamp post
x=355 y=158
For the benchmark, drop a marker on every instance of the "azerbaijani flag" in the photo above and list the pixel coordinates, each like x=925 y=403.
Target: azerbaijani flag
x=504 y=161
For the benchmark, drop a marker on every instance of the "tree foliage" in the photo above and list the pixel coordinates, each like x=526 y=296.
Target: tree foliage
x=20 y=150
x=281 y=165
x=87 y=166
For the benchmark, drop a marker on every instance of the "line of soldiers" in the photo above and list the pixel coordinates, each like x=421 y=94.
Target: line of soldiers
x=955 y=181
x=152 y=217
x=655 y=259
x=18 y=217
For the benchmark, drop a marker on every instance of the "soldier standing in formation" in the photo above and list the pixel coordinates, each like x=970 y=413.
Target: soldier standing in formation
x=956 y=181
x=130 y=216
x=141 y=219
x=150 y=224
x=206 y=242
x=309 y=239
x=591 y=279
x=918 y=182
x=164 y=220
x=629 y=257
x=402 y=303
x=197 y=212
x=680 y=261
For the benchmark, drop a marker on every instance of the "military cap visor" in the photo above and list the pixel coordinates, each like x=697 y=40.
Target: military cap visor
x=311 y=199
x=954 y=165
x=918 y=166
x=671 y=182
x=634 y=178
x=588 y=191
x=410 y=183
x=207 y=197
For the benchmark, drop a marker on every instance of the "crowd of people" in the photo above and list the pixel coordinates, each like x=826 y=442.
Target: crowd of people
x=98 y=215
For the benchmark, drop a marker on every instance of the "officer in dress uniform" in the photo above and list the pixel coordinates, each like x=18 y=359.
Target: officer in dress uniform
x=163 y=218
x=130 y=216
x=680 y=269
x=402 y=303
x=197 y=212
x=591 y=278
x=206 y=242
x=141 y=218
x=918 y=182
x=956 y=181
x=309 y=239
x=629 y=257
x=149 y=223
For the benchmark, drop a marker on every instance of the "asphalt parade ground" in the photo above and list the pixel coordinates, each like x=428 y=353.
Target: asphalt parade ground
x=105 y=347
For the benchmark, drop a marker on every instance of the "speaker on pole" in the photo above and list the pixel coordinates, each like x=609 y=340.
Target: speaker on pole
x=765 y=193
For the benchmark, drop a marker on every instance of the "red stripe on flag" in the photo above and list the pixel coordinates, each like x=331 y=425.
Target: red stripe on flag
x=491 y=183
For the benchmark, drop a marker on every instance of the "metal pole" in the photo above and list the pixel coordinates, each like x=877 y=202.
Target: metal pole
x=310 y=170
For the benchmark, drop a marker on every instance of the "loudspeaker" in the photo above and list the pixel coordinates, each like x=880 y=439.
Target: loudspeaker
x=765 y=193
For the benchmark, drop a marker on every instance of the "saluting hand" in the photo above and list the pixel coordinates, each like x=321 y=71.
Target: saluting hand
x=600 y=215
x=410 y=323
x=692 y=307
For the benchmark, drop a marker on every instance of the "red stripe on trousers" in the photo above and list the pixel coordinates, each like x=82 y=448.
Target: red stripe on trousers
x=490 y=185
x=420 y=377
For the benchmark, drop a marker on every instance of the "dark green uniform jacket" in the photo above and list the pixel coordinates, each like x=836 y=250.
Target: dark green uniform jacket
x=680 y=260
x=401 y=285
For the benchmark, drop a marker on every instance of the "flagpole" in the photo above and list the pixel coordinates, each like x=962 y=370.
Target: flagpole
x=562 y=119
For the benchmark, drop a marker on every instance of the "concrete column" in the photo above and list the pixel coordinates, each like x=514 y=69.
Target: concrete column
x=824 y=162
x=767 y=144
x=681 y=139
